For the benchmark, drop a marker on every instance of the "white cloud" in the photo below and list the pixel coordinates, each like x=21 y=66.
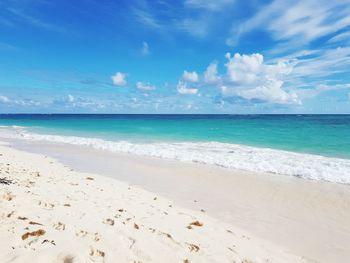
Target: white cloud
x=324 y=63
x=314 y=91
x=197 y=27
x=33 y=20
x=345 y=36
x=194 y=17
x=71 y=101
x=18 y=102
x=145 y=86
x=4 y=99
x=300 y=22
x=145 y=49
x=211 y=74
x=182 y=89
x=250 y=78
x=119 y=79
x=147 y=18
x=70 y=98
x=190 y=76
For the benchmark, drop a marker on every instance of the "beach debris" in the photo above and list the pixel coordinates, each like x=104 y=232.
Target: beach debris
x=68 y=205
x=89 y=178
x=37 y=233
x=22 y=218
x=155 y=198
x=195 y=223
x=136 y=226
x=231 y=249
x=193 y=247
x=121 y=210
x=34 y=223
x=6 y=181
x=10 y=214
x=203 y=211
x=186 y=260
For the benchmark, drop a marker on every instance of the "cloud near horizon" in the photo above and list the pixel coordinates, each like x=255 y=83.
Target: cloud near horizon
x=119 y=79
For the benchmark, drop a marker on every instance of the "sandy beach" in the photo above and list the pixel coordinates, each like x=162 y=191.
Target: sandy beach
x=153 y=210
x=51 y=213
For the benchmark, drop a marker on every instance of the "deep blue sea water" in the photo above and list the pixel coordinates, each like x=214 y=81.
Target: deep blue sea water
x=233 y=141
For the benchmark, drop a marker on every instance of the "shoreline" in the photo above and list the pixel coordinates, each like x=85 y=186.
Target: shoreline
x=227 y=155
x=279 y=209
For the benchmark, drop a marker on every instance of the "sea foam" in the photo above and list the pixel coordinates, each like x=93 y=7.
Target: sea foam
x=232 y=156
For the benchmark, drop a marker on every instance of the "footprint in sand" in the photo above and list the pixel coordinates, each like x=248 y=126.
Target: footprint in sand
x=47 y=206
x=8 y=196
x=97 y=237
x=81 y=233
x=108 y=221
x=97 y=255
x=59 y=226
x=193 y=248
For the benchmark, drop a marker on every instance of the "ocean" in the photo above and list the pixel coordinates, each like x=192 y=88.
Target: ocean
x=308 y=146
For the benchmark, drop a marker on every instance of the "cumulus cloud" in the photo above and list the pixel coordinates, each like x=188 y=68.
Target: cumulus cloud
x=250 y=78
x=190 y=76
x=145 y=86
x=145 y=49
x=119 y=79
x=183 y=89
x=211 y=74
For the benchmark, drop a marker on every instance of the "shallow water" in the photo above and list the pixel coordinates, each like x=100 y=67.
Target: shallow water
x=309 y=146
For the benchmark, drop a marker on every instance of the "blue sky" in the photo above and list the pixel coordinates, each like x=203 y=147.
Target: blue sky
x=188 y=56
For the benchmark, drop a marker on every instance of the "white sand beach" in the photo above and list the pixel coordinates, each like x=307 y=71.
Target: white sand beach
x=162 y=211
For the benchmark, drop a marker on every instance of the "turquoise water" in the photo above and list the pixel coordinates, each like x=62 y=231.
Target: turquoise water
x=327 y=135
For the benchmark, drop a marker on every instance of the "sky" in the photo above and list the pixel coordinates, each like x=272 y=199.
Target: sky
x=185 y=56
